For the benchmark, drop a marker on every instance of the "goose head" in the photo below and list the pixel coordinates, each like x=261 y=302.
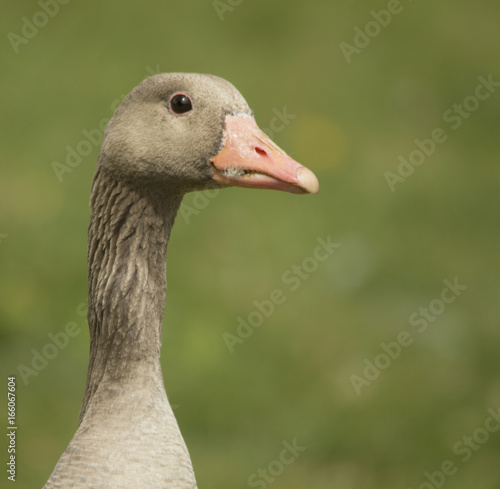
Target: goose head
x=189 y=132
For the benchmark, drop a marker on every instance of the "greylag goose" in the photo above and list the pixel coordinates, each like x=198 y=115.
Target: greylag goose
x=174 y=133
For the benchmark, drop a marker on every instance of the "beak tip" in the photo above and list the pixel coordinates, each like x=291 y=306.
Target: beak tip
x=307 y=180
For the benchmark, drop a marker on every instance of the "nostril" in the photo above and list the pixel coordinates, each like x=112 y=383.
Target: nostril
x=260 y=151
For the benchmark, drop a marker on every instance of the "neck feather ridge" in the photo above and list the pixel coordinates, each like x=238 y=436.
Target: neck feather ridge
x=128 y=236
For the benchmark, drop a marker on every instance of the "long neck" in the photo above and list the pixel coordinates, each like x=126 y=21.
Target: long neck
x=128 y=235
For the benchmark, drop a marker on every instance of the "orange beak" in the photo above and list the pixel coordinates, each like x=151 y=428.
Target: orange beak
x=249 y=158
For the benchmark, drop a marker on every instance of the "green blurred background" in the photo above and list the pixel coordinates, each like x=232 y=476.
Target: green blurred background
x=292 y=379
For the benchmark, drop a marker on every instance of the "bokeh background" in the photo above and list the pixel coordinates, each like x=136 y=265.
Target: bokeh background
x=292 y=379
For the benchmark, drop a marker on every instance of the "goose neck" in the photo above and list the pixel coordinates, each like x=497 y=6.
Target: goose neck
x=128 y=236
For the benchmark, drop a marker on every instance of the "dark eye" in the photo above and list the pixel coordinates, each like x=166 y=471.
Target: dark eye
x=180 y=104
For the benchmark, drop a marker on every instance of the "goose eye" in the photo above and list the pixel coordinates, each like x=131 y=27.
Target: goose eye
x=180 y=104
